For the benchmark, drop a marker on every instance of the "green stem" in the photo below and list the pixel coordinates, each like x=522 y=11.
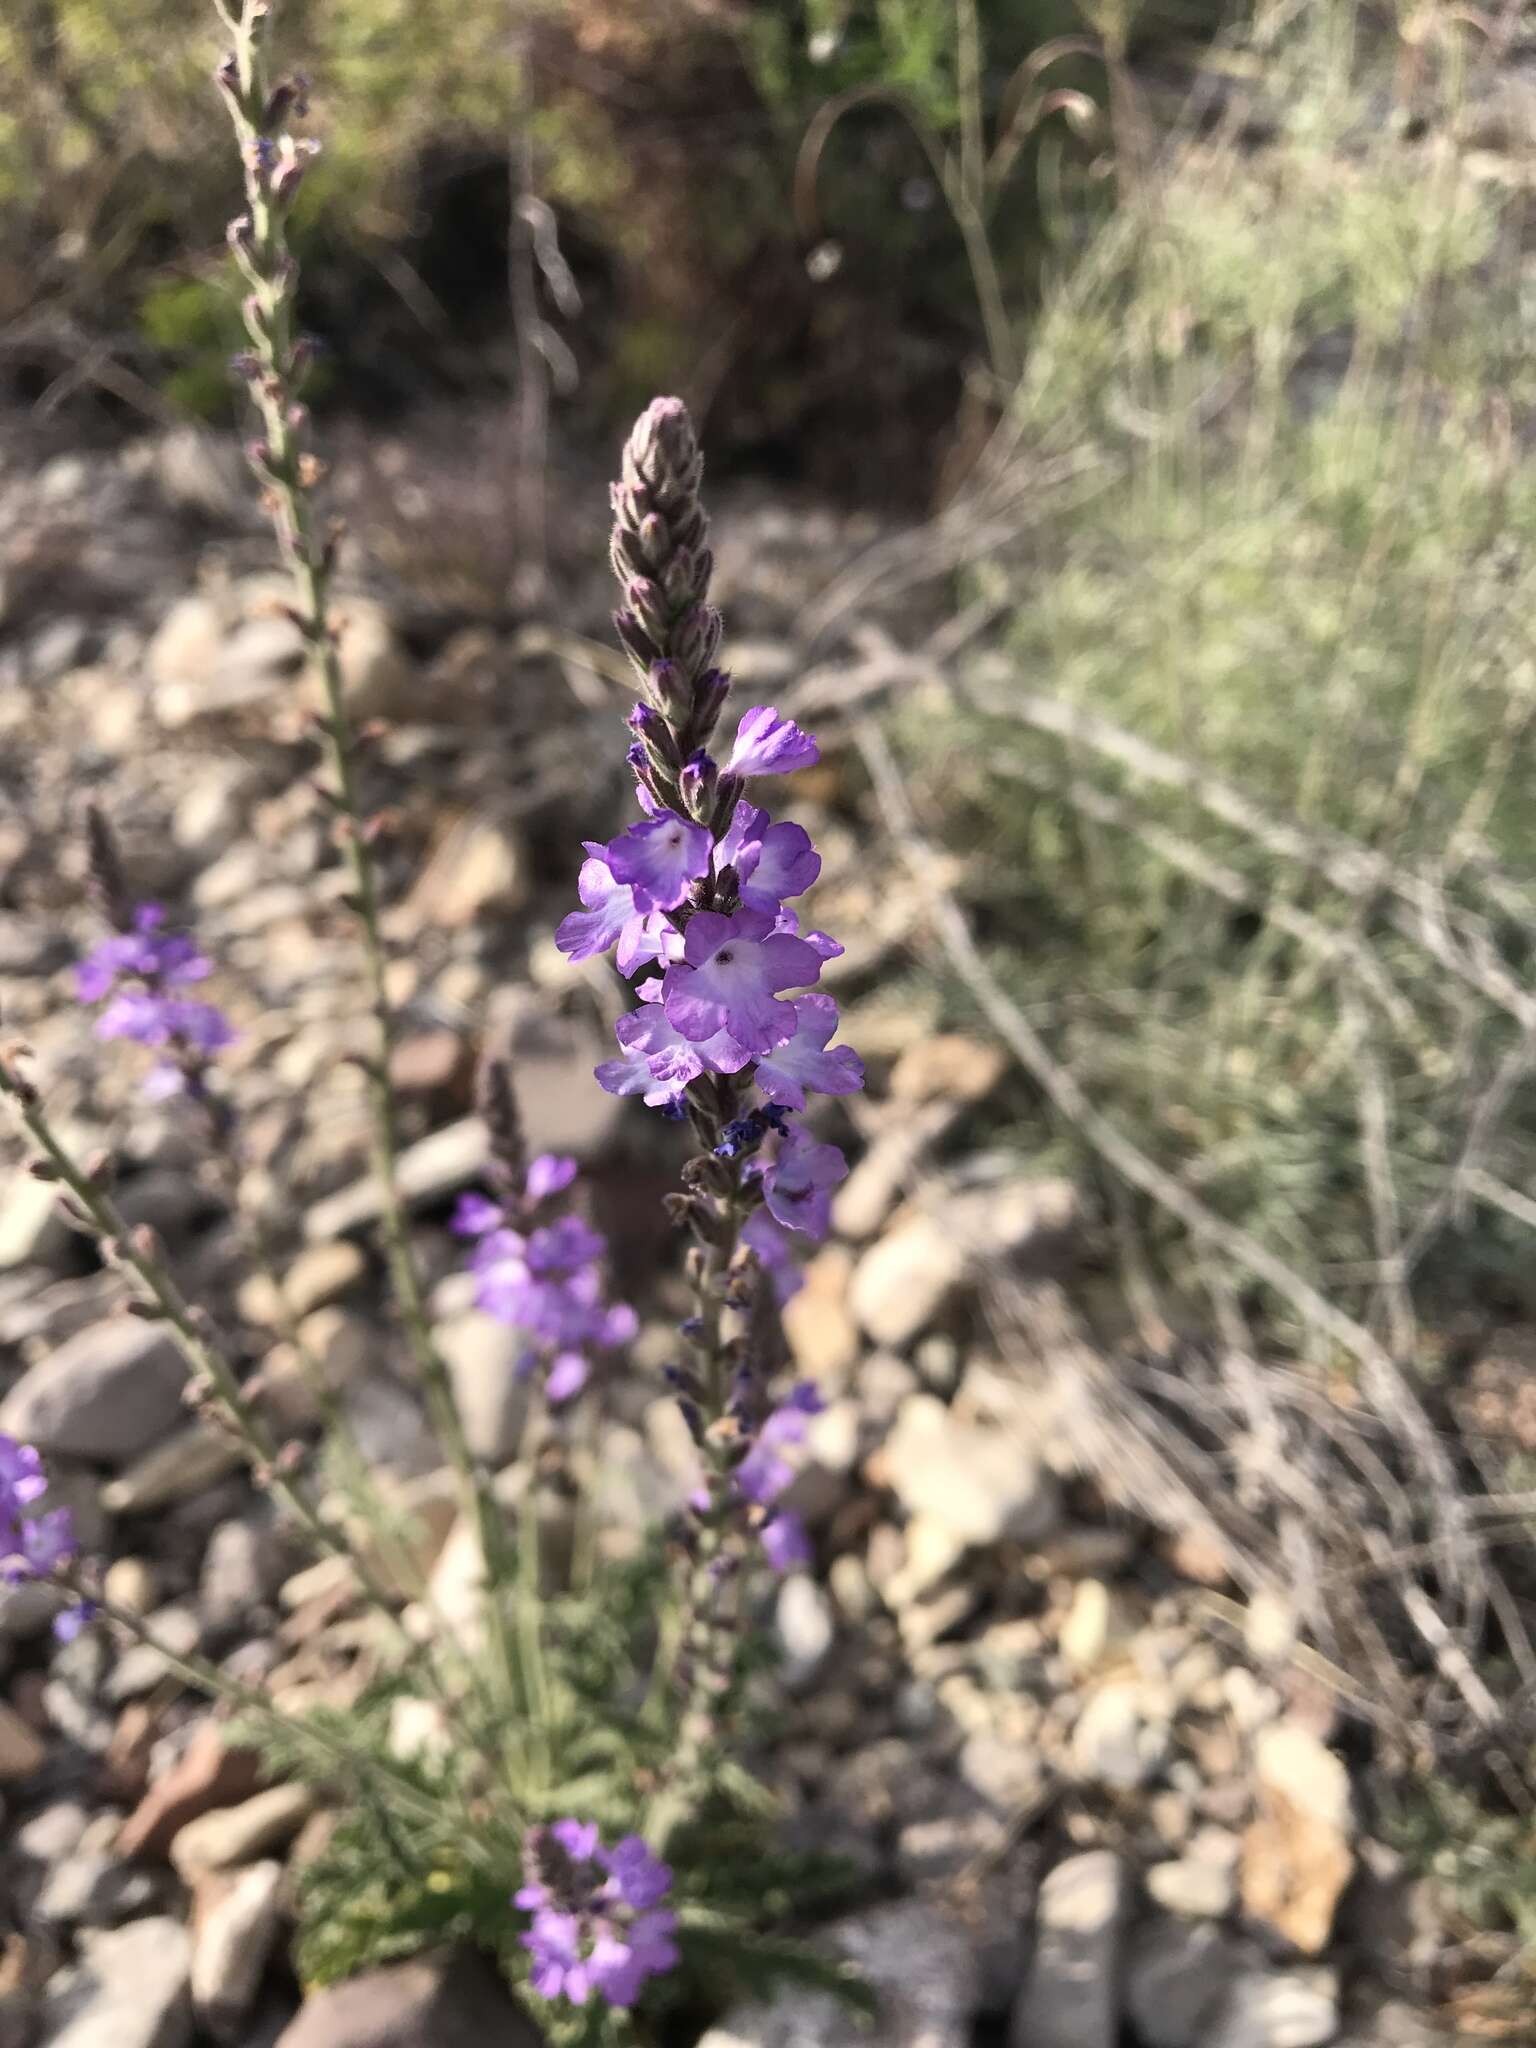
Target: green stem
x=210 y=1369
x=291 y=475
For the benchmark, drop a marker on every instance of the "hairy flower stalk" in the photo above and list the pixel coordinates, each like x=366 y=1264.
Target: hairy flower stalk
x=274 y=368
x=698 y=894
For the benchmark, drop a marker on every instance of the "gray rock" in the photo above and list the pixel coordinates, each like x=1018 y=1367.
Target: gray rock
x=1071 y=1997
x=920 y=1966
x=93 y=1890
x=446 y=2000
x=235 y=1925
x=187 y=1462
x=1177 y=1974
x=105 y=1394
x=1278 y=2009
x=243 y=1567
x=142 y=1666
x=129 y=1990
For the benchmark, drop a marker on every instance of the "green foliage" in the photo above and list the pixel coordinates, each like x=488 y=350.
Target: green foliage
x=1296 y=557
x=1483 y=1861
x=430 y=1850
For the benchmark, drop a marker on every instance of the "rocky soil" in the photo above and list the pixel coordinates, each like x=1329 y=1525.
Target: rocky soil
x=1104 y=1801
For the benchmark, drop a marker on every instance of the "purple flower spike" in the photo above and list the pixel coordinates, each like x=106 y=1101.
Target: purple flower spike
x=803 y=1063
x=659 y=858
x=728 y=979
x=769 y=745
x=798 y=1185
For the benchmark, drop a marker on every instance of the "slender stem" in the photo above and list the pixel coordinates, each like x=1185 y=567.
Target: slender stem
x=290 y=474
x=135 y=1251
x=204 y=1676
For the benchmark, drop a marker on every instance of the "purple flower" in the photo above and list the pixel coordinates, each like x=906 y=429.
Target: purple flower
x=775 y=1254
x=785 y=1543
x=611 y=917
x=475 y=1215
x=165 y=1020
x=803 y=1062
x=22 y=1479
x=597 y=1927
x=657 y=1061
x=547 y=1284
x=31 y=1546
x=763 y=1474
x=729 y=976
x=769 y=745
x=549 y=1174
x=772 y=862
x=169 y=958
x=659 y=858
x=797 y=1184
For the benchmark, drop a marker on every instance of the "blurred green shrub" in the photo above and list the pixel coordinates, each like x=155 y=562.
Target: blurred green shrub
x=1293 y=382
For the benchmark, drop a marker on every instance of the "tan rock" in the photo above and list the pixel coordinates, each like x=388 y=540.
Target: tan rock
x=950 y=1066
x=820 y=1330
x=479 y=867
x=232 y=1835
x=21 y=1749
x=1296 y=1857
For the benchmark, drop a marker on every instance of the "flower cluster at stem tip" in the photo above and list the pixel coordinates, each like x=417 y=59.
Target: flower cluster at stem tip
x=143 y=967
x=34 y=1545
x=700 y=888
x=598 y=1921
x=543 y=1276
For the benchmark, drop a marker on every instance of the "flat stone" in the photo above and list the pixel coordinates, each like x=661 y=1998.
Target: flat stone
x=818 y=1327
x=920 y=1965
x=242 y=1569
x=1071 y=1996
x=431 y=1170
x=450 y=1999
x=903 y=1282
x=106 y=1394
x=177 y=1469
x=235 y=1924
x=1200 y=1890
x=976 y=1482
x=21 y=1748
x=1177 y=1974
x=129 y=1990
x=232 y=1835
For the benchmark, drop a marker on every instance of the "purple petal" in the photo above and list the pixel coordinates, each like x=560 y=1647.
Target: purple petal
x=802 y=1063
x=547 y=1175
x=659 y=859
x=769 y=745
